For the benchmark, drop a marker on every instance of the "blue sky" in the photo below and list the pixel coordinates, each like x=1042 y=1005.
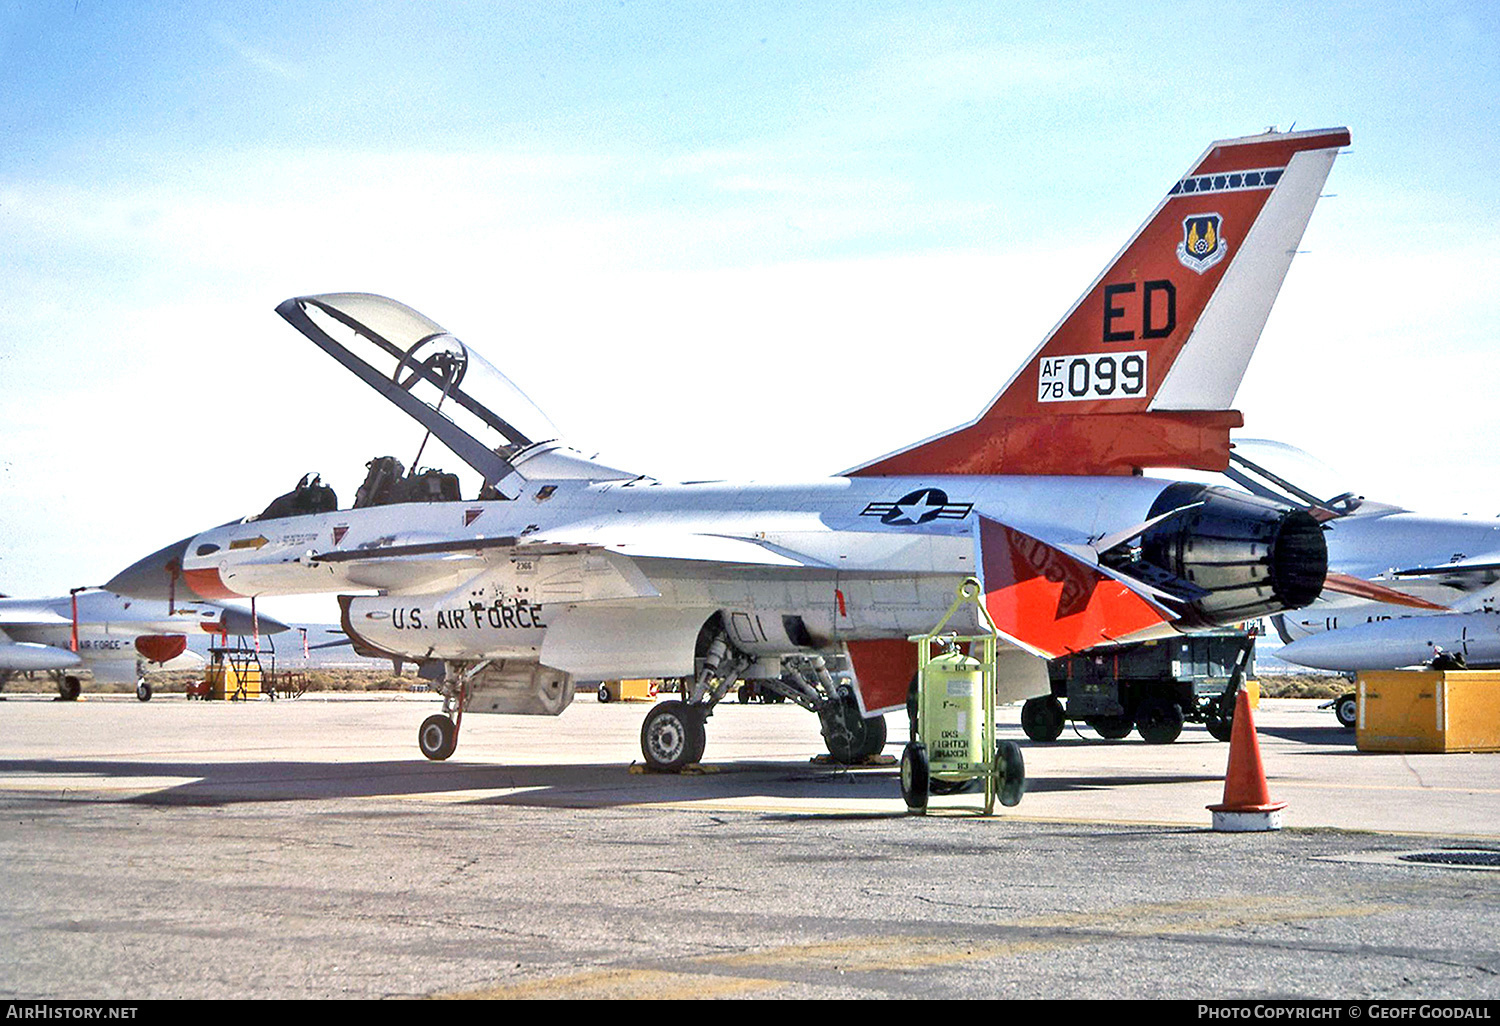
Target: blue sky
x=713 y=239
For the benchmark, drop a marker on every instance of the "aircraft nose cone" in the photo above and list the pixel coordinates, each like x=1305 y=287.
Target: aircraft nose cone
x=239 y=621
x=151 y=577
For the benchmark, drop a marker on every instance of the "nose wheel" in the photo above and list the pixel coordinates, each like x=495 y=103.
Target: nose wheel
x=437 y=737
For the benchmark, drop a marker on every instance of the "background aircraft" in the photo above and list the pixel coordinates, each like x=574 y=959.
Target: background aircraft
x=111 y=635
x=563 y=570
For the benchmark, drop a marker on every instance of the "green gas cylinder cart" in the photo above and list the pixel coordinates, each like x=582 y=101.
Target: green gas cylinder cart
x=953 y=736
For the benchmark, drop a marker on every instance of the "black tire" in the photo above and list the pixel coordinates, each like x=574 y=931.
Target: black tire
x=1010 y=773
x=911 y=705
x=437 y=737
x=1111 y=728
x=1220 y=723
x=851 y=737
x=1042 y=718
x=744 y=694
x=1159 y=721
x=143 y=691
x=915 y=778
x=69 y=689
x=673 y=736
x=604 y=692
x=1347 y=711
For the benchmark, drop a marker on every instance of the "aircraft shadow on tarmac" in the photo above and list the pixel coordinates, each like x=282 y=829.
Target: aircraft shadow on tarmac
x=572 y=785
x=569 y=786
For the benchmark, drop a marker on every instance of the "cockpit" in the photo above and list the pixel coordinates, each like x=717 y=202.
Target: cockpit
x=458 y=397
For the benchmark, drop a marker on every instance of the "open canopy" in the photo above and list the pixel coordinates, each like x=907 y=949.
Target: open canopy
x=471 y=407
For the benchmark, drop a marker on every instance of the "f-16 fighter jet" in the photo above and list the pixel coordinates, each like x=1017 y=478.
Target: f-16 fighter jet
x=561 y=570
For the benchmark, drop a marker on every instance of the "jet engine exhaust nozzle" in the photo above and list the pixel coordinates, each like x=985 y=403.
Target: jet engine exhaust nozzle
x=1241 y=556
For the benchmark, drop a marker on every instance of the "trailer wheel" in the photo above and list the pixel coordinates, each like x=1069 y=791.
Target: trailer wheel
x=1159 y=721
x=1219 y=724
x=1042 y=718
x=915 y=777
x=1347 y=710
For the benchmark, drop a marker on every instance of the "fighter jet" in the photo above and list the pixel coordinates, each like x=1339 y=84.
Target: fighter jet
x=1407 y=586
x=112 y=635
x=562 y=570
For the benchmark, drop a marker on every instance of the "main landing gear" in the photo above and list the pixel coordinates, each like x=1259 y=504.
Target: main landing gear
x=68 y=687
x=675 y=732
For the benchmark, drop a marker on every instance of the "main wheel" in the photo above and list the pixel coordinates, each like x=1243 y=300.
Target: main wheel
x=915 y=777
x=1159 y=721
x=851 y=737
x=1347 y=710
x=1042 y=718
x=437 y=737
x=673 y=735
x=1010 y=773
x=68 y=688
x=1111 y=728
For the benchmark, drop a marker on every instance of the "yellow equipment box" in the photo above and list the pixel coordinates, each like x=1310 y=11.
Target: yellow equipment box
x=1428 y=711
x=233 y=676
x=628 y=691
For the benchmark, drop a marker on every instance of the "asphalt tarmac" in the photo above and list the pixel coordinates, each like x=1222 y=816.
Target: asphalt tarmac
x=305 y=849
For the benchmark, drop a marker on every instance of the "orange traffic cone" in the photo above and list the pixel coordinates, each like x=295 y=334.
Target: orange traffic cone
x=1247 y=805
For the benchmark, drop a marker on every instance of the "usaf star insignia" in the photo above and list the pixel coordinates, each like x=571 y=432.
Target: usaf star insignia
x=918 y=507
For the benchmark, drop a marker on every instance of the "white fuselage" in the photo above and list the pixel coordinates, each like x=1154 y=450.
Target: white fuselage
x=844 y=556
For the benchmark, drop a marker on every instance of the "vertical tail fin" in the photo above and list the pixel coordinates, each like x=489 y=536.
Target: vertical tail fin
x=1143 y=369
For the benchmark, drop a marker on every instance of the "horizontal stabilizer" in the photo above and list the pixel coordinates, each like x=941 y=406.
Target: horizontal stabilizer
x=1051 y=602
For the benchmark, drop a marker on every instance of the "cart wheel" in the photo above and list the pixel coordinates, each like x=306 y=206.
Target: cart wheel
x=1010 y=773
x=437 y=737
x=1042 y=718
x=1159 y=721
x=915 y=778
x=673 y=735
x=1347 y=710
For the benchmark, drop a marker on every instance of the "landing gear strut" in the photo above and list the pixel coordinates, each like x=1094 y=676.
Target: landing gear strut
x=438 y=735
x=675 y=732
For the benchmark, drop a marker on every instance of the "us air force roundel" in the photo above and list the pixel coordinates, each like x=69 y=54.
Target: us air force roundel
x=918 y=507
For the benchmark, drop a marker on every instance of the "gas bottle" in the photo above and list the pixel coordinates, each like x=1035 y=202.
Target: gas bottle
x=952 y=713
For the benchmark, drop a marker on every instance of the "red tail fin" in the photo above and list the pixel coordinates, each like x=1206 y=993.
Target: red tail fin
x=1143 y=369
